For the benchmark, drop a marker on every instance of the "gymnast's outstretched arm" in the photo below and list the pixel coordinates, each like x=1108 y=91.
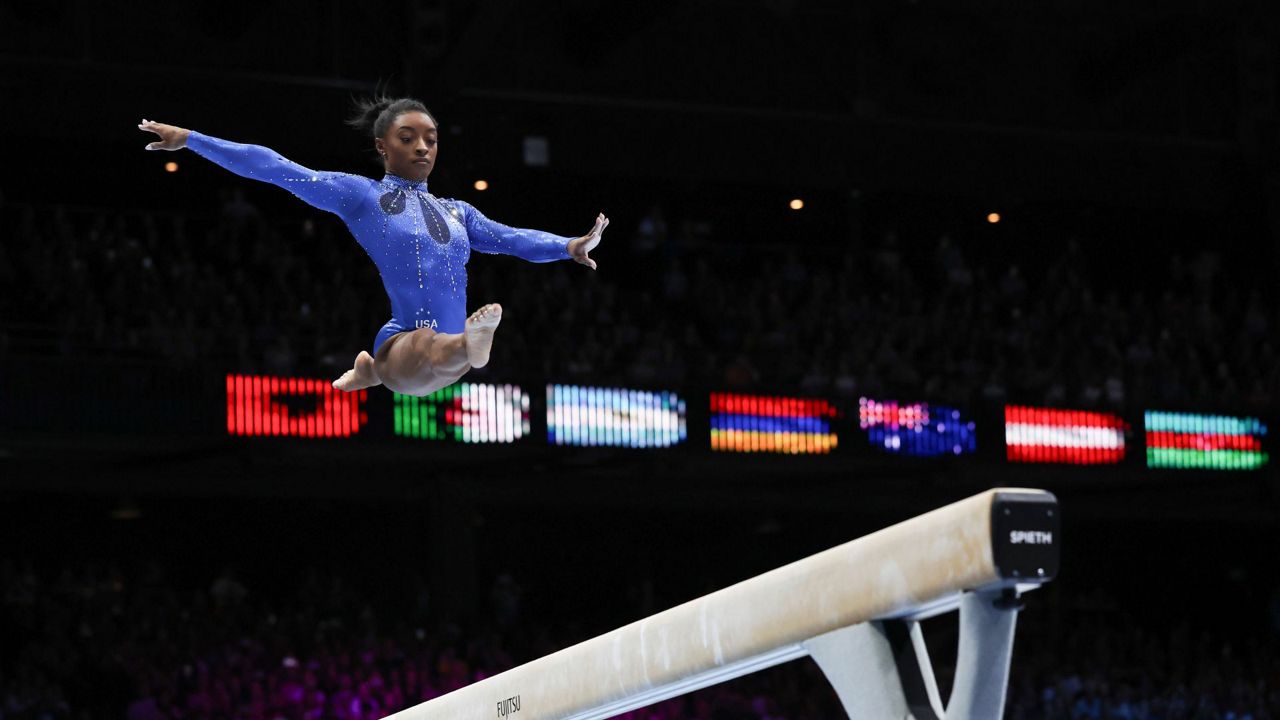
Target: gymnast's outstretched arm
x=488 y=236
x=338 y=193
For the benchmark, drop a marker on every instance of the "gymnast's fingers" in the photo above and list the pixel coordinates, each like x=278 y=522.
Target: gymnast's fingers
x=601 y=223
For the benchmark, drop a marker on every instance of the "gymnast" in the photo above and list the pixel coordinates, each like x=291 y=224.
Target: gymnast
x=419 y=242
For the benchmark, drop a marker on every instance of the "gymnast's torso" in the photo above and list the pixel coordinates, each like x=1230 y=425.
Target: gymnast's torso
x=419 y=243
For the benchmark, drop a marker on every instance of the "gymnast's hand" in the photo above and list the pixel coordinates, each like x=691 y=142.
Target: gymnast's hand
x=171 y=137
x=579 y=247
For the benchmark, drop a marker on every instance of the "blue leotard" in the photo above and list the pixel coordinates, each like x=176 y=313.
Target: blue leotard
x=420 y=243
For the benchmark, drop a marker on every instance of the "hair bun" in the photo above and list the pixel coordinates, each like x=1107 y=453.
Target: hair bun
x=374 y=115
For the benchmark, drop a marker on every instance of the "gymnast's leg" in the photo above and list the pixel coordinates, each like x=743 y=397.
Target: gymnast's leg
x=423 y=361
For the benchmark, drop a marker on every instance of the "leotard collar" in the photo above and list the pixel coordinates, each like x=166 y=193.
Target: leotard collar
x=402 y=183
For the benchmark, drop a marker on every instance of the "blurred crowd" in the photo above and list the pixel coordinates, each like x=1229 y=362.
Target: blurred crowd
x=114 y=639
x=924 y=317
x=100 y=641
x=1115 y=662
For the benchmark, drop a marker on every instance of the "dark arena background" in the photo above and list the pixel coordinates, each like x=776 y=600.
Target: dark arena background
x=865 y=259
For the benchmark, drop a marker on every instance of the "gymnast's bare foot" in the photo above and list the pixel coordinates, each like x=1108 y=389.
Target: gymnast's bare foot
x=362 y=375
x=479 y=334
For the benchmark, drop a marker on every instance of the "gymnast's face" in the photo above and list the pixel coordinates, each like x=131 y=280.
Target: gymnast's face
x=410 y=146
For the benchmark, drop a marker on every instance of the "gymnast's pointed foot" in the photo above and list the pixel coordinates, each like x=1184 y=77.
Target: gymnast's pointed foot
x=479 y=334
x=362 y=375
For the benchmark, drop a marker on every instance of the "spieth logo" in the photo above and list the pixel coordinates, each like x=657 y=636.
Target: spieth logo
x=1030 y=537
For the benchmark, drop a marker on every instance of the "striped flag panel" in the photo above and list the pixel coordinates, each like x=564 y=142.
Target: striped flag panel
x=1073 y=437
x=1206 y=442
x=754 y=423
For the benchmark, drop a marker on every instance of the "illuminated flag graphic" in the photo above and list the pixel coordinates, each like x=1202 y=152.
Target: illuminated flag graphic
x=465 y=412
x=1075 y=437
x=1215 y=442
x=752 y=423
x=617 y=417
x=296 y=407
x=917 y=429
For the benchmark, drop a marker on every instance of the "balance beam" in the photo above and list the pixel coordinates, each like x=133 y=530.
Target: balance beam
x=854 y=608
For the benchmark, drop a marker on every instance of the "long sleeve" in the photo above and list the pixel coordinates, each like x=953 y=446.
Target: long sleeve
x=338 y=193
x=492 y=237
